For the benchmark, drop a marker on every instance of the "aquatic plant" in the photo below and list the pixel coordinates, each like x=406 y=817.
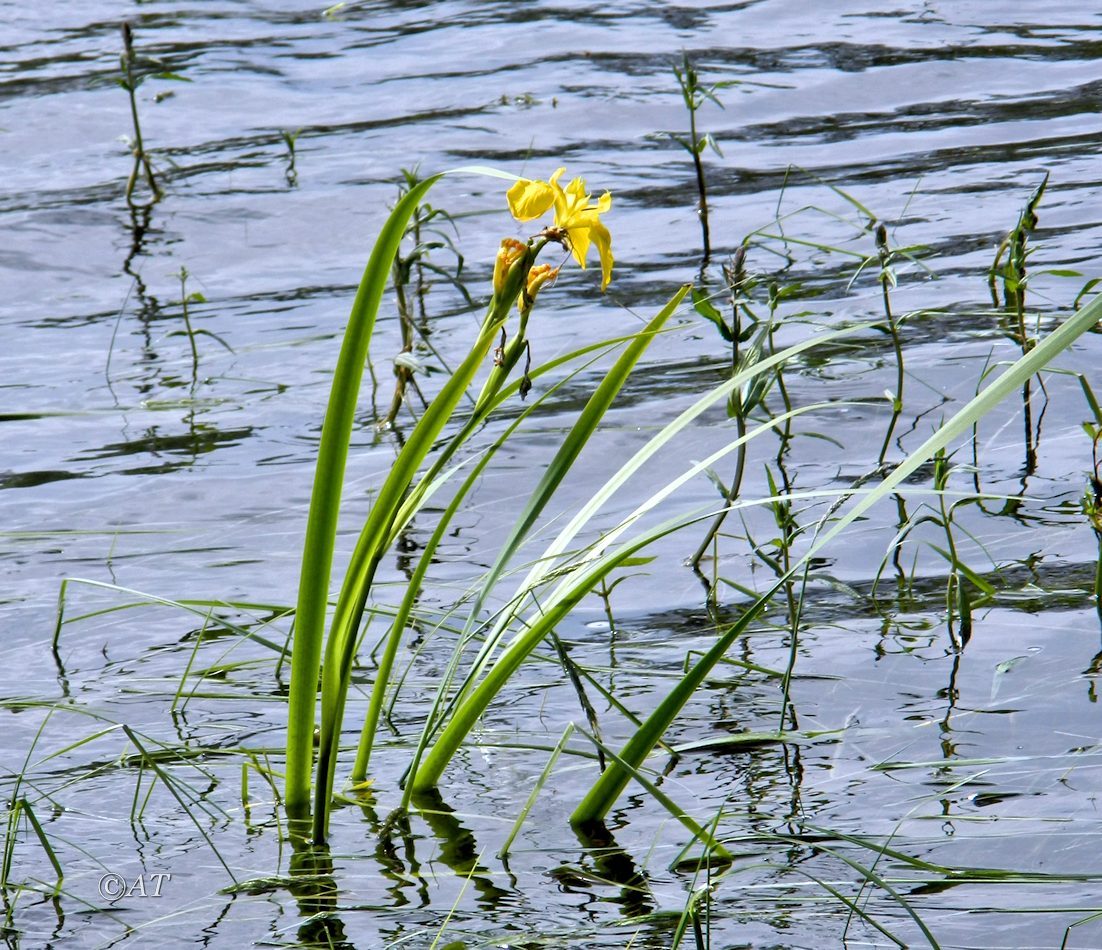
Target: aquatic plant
x=290 y=142
x=516 y=284
x=130 y=80
x=134 y=73
x=1092 y=508
x=577 y=225
x=887 y=281
x=493 y=634
x=694 y=94
x=425 y=233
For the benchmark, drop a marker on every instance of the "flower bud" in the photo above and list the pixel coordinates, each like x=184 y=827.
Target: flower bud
x=508 y=254
x=539 y=275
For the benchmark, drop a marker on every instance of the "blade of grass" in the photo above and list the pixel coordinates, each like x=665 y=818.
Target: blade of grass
x=317 y=554
x=168 y=783
x=611 y=783
x=717 y=852
x=537 y=787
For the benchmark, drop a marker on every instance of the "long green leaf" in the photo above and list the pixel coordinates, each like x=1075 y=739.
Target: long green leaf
x=321 y=527
x=572 y=445
x=413 y=586
x=578 y=585
x=611 y=783
x=547 y=561
x=371 y=546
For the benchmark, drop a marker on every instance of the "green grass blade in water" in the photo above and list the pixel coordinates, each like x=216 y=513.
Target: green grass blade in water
x=602 y=796
x=321 y=527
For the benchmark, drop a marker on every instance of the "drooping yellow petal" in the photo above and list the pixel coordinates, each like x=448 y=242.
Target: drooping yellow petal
x=603 y=240
x=529 y=199
x=579 y=244
x=570 y=203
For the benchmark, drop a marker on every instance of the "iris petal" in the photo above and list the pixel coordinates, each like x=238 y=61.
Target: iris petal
x=529 y=199
x=603 y=240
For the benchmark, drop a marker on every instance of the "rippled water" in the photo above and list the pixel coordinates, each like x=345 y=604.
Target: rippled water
x=121 y=467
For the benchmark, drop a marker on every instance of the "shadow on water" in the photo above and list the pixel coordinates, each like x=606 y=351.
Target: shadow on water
x=611 y=866
x=314 y=888
x=458 y=849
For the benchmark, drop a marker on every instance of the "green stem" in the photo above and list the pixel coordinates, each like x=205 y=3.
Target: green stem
x=187 y=322
x=140 y=158
x=701 y=186
x=381 y=525
x=317 y=558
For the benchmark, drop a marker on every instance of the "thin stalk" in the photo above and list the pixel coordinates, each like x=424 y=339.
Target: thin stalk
x=735 y=276
x=187 y=320
x=887 y=278
x=403 y=375
x=701 y=188
x=694 y=95
x=141 y=159
x=952 y=587
x=503 y=853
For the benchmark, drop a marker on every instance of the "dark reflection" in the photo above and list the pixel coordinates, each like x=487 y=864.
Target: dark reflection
x=314 y=889
x=140 y=228
x=403 y=870
x=148 y=308
x=611 y=865
x=200 y=439
x=458 y=847
x=34 y=479
x=951 y=694
x=209 y=934
x=1092 y=672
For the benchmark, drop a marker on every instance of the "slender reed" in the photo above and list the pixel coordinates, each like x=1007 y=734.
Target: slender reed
x=290 y=140
x=737 y=407
x=321 y=525
x=185 y=299
x=694 y=95
x=887 y=280
x=130 y=80
x=410 y=289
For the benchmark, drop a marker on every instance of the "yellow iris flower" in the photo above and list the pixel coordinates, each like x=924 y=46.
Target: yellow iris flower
x=577 y=219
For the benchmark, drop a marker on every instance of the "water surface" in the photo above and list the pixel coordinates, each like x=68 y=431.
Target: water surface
x=122 y=466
